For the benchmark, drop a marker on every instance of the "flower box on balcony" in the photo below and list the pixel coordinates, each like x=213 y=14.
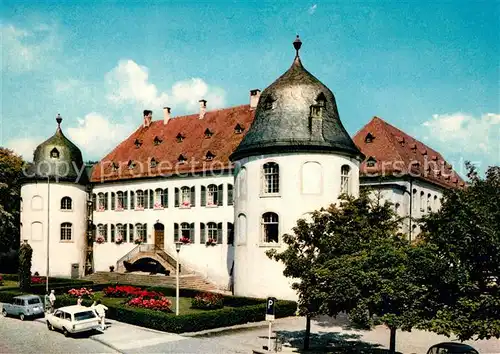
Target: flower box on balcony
x=140 y=208
x=185 y=205
x=99 y=239
x=211 y=242
x=138 y=241
x=119 y=240
x=101 y=208
x=158 y=206
x=119 y=208
x=212 y=205
x=185 y=240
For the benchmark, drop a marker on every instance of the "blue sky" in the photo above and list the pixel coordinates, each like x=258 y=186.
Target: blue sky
x=430 y=68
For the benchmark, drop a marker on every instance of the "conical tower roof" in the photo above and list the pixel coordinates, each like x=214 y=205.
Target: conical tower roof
x=297 y=112
x=58 y=158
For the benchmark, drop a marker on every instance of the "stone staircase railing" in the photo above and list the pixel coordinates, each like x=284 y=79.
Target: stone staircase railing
x=148 y=248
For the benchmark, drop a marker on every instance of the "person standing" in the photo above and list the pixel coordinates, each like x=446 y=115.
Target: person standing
x=52 y=299
x=100 y=309
x=79 y=301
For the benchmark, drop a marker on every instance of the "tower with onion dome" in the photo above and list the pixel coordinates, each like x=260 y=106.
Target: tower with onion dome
x=54 y=207
x=295 y=158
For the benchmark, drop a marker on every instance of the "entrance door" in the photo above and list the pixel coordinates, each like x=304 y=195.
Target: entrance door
x=159 y=235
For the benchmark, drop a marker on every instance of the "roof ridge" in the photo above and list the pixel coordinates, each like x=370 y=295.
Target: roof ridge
x=212 y=111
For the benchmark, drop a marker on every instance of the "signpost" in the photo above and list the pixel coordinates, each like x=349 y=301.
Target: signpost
x=270 y=307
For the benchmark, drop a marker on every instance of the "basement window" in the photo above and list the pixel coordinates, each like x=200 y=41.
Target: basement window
x=208 y=133
x=180 y=137
x=54 y=153
x=238 y=129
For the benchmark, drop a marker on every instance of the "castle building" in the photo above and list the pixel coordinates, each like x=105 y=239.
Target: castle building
x=226 y=184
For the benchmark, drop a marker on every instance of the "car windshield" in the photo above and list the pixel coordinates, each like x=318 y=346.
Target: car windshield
x=33 y=301
x=85 y=315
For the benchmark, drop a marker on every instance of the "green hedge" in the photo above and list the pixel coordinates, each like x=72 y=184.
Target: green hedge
x=52 y=280
x=59 y=288
x=168 y=322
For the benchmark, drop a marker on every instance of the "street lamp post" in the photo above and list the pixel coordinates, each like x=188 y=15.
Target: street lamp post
x=178 y=249
x=48 y=235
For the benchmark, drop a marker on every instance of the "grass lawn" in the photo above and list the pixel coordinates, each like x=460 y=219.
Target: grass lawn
x=184 y=303
x=9 y=283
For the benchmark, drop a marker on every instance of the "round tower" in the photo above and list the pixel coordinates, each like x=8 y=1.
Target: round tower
x=295 y=158
x=54 y=207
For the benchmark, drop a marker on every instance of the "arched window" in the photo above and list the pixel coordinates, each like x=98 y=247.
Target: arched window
x=186 y=231
x=429 y=201
x=139 y=198
x=54 y=153
x=185 y=196
x=139 y=232
x=120 y=200
x=271 y=178
x=270 y=228
x=102 y=201
x=102 y=230
x=312 y=177
x=212 y=231
x=36 y=203
x=212 y=195
x=66 y=203
x=242 y=229
x=158 y=198
x=422 y=201
x=414 y=200
x=345 y=180
x=436 y=203
x=121 y=232
x=66 y=231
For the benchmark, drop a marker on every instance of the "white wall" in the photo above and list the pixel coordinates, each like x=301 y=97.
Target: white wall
x=34 y=226
x=300 y=192
x=214 y=262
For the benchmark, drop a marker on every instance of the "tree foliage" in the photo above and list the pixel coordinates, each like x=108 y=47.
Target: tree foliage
x=465 y=234
x=25 y=254
x=10 y=195
x=351 y=258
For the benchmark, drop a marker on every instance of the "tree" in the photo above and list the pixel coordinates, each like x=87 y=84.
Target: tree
x=11 y=166
x=351 y=258
x=25 y=254
x=465 y=233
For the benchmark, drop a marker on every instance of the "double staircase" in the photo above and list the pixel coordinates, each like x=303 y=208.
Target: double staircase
x=149 y=251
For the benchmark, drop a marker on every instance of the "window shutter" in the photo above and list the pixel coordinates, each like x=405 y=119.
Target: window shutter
x=191 y=231
x=106 y=205
x=105 y=232
x=203 y=196
x=219 y=233
x=112 y=233
x=176 y=201
x=176 y=231
x=193 y=197
x=230 y=194
x=131 y=233
x=125 y=200
x=94 y=201
x=113 y=200
x=165 y=198
x=132 y=200
x=220 y=195
x=230 y=233
x=202 y=233
x=144 y=232
x=151 y=199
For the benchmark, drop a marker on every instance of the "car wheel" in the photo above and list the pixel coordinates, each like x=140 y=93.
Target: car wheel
x=49 y=326
x=4 y=312
x=21 y=316
x=65 y=332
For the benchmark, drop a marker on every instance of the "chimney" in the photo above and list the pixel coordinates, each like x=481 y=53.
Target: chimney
x=148 y=117
x=203 y=108
x=254 y=98
x=166 y=115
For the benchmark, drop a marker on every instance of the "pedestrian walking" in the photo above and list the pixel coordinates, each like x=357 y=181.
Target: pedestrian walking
x=52 y=299
x=100 y=309
x=79 y=301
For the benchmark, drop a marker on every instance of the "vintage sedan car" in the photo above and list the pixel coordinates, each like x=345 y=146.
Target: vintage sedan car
x=24 y=306
x=73 y=319
x=451 y=348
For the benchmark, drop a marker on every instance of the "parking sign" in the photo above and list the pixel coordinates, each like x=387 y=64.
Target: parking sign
x=271 y=302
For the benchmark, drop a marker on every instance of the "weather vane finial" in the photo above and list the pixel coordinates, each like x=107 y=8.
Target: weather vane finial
x=297 y=43
x=58 y=120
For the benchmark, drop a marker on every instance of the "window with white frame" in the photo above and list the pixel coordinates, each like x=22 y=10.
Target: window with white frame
x=158 y=198
x=102 y=230
x=270 y=228
x=121 y=232
x=120 y=200
x=230 y=198
x=212 y=231
x=186 y=230
x=429 y=200
x=139 y=231
x=102 y=201
x=271 y=178
x=139 y=197
x=185 y=196
x=345 y=179
x=414 y=200
x=66 y=203
x=436 y=203
x=422 y=201
x=66 y=231
x=212 y=196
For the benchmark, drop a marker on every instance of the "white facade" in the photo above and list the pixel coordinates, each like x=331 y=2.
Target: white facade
x=43 y=206
x=271 y=193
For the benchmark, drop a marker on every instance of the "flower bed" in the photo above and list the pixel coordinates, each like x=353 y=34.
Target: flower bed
x=130 y=291
x=1 y=280
x=82 y=292
x=160 y=304
x=207 y=301
x=37 y=280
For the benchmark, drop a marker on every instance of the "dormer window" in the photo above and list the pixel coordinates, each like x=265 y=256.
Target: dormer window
x=181 y=158
x=131 y=165
x=209 y=156
x=180 y=137
x=401 y=140
x=208 y=133
x=413 y=147
x=268 y=103
x=369 y=138
x=371 y=162
x=423 y=152
x=157 y=141
x=316 y=111
x=153 y=163
x=238 y=129
x=321 y=100
x=114 y=166
x=434 y=158
x=137 y=143
x=54 y=153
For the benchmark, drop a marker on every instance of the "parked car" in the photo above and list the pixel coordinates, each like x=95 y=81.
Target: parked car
x=24 y=306
x=73 y=319
x=451 y=348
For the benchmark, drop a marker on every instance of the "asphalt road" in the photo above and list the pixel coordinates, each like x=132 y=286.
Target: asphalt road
x=24 y=337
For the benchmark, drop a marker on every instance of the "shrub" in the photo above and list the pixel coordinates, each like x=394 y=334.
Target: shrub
x=37 y=280
x=1 y=280
x=25 y=254
x=82 y=292
x=160 y=304
x=207 y=301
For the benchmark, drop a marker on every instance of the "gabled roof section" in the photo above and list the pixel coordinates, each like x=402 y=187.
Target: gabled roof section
x=194 y=146
x=397 y=153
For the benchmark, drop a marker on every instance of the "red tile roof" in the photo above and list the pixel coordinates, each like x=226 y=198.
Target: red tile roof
x=140 y=147
x=396 y=153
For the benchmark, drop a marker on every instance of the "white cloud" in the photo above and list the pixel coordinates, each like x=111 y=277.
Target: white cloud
x=61 y=86
x=26 y=49
x=312 y=9
x=24 y=146
x=129 y=83
x=96 y=135
x=464 y=133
